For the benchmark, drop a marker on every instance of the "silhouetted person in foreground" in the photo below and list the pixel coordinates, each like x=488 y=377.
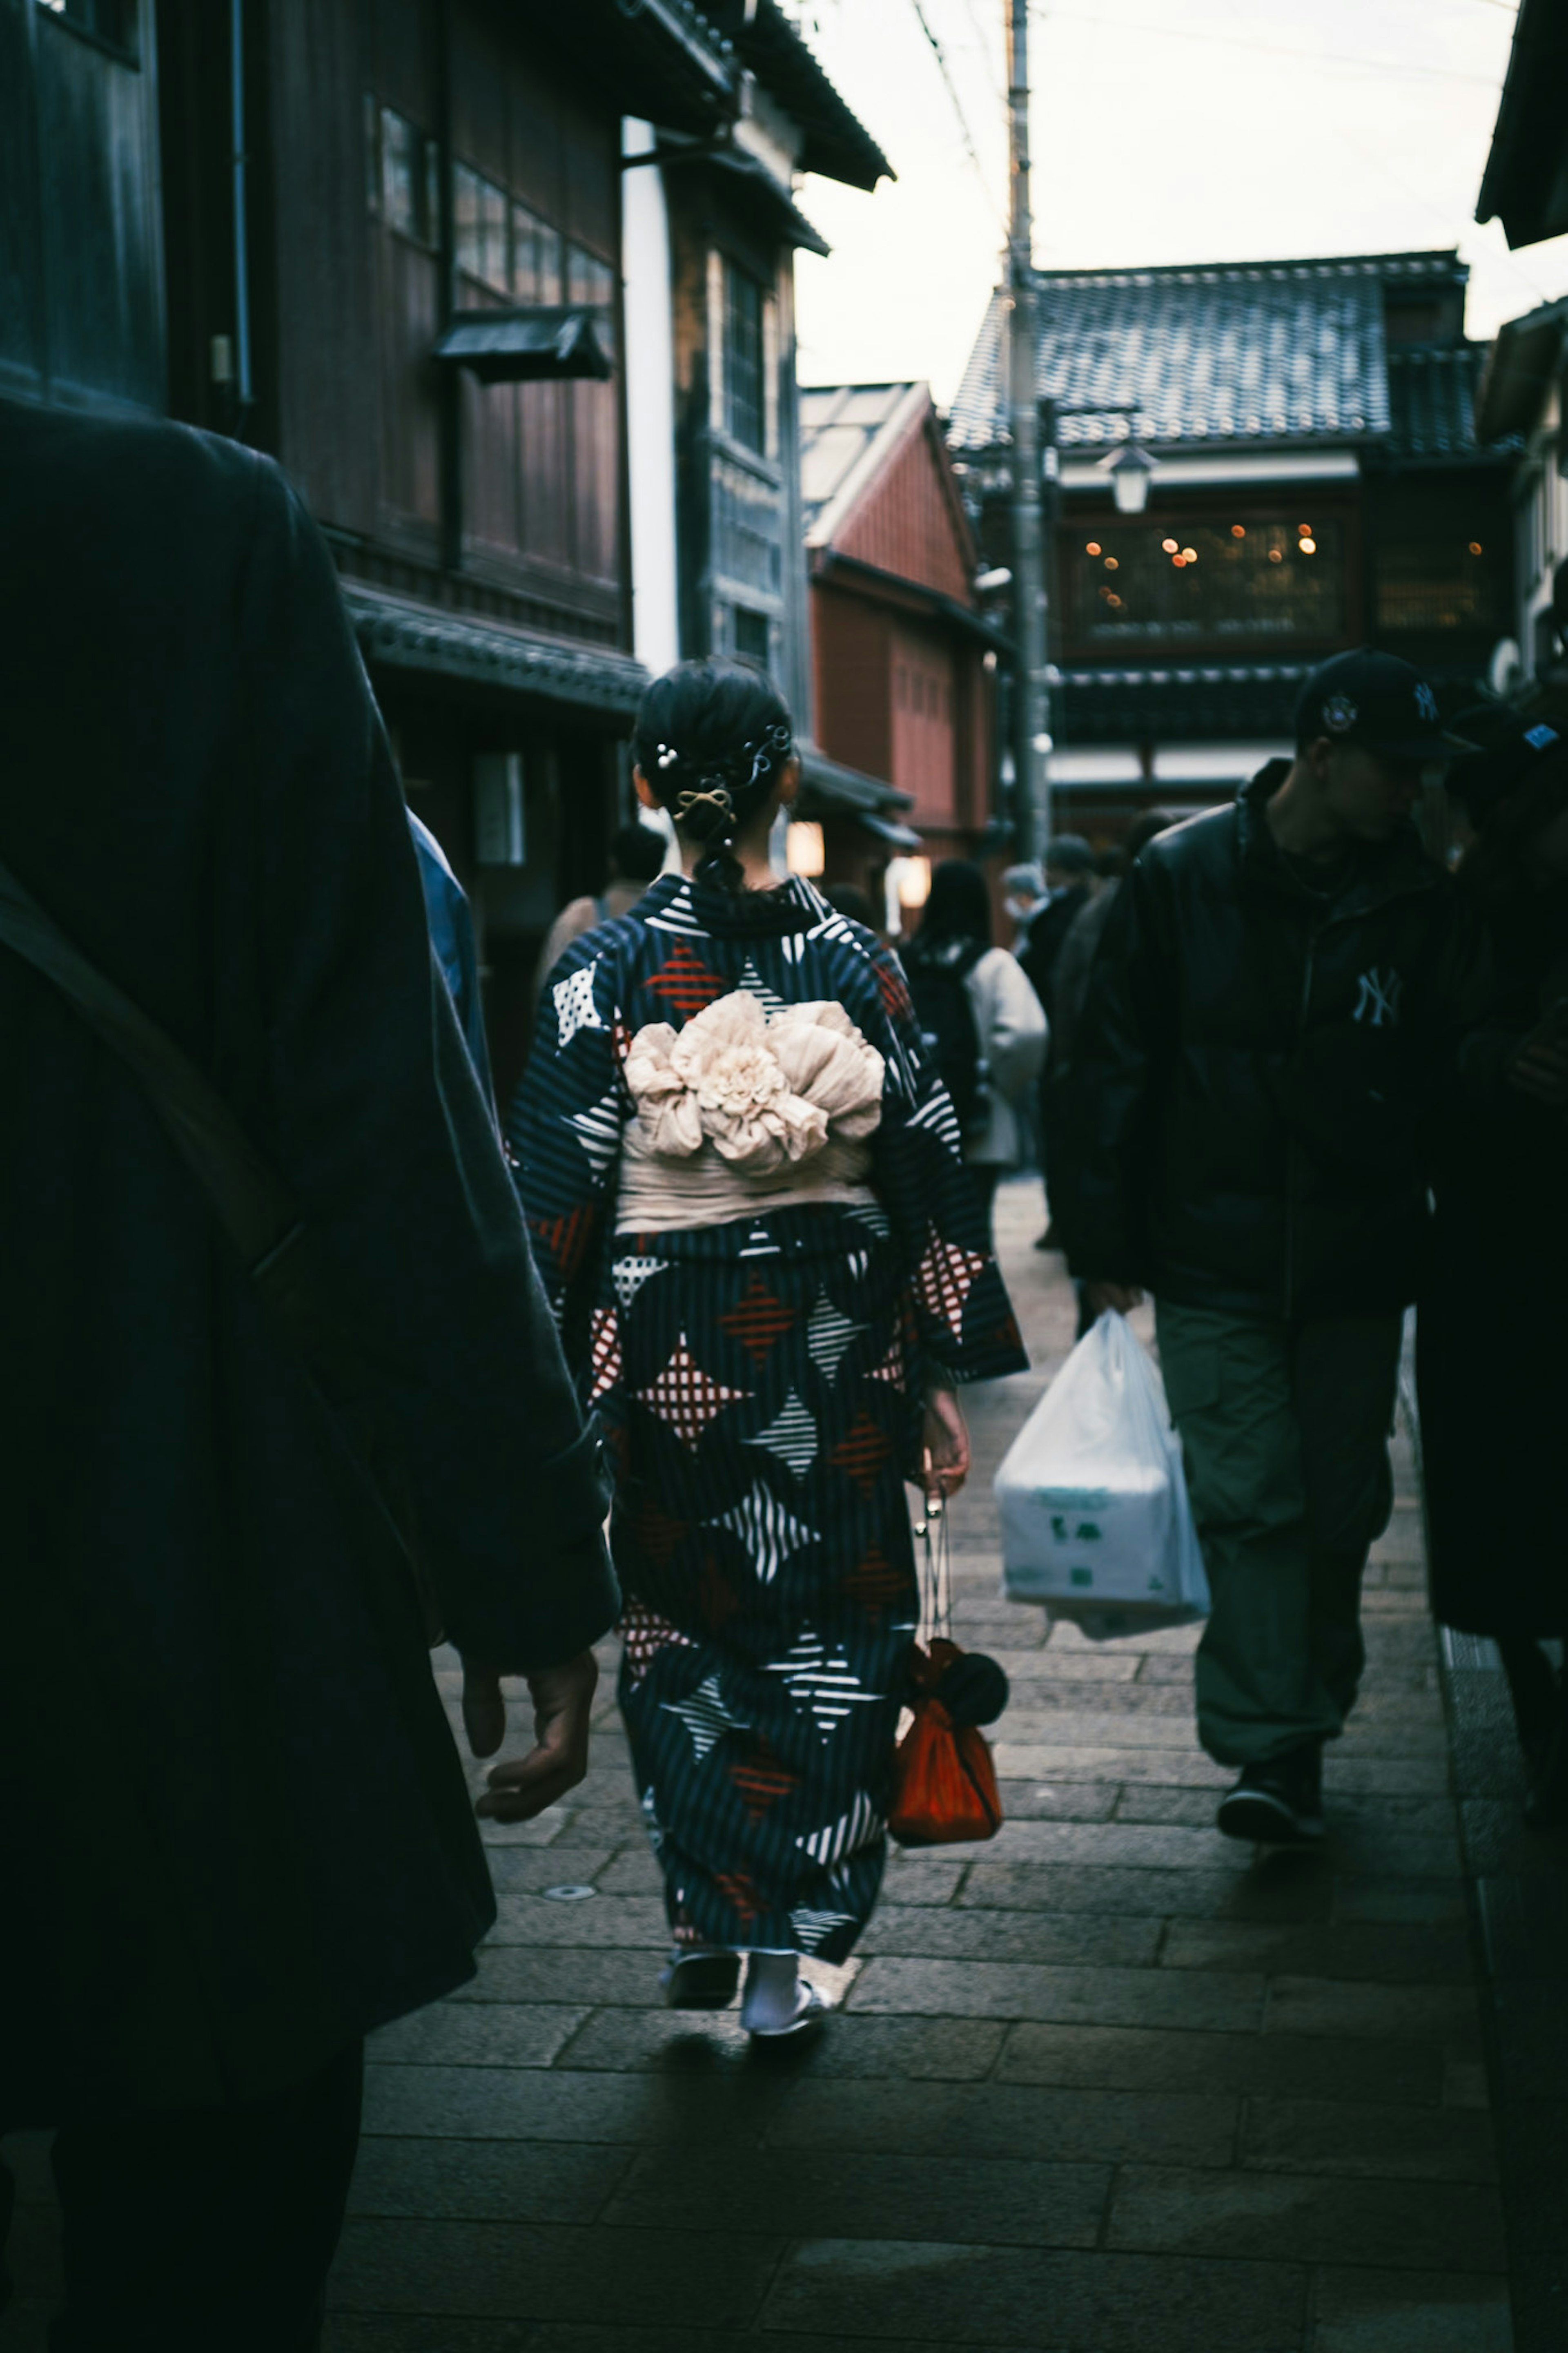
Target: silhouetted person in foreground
x=1492 y=1375
x=235 y=1831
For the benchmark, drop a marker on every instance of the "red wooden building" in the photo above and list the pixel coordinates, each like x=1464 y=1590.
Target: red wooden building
x=903 y=660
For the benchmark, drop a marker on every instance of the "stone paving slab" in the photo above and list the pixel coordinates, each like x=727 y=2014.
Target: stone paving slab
x=1105 y=2085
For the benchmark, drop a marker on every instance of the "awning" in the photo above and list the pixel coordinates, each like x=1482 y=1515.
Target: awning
x=398 y=634
x=753 y=179
x=524 y=346
x=885 y=828
x=831 y=565
x=748 y=183
x=828 y=788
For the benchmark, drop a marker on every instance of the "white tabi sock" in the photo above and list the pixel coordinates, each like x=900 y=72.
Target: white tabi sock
x=770 y=2001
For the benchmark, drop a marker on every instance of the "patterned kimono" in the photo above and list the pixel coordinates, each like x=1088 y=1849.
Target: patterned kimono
x=760 y=1381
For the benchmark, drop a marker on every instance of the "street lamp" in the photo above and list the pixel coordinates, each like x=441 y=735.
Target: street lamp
x=1130 y=470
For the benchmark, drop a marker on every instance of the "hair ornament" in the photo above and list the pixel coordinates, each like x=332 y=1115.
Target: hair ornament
x=717 y=796
x=668 y=755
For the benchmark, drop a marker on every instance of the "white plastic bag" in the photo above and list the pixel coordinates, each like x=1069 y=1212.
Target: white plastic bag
x=1095 y=1519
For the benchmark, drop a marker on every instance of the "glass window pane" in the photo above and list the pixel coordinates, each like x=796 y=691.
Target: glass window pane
x=480 y=228
x=432 y=193
x=466 y=220
x=744 y=416
x=495 y=271
x=751 y=635
x=525 y=255
x=372 y=154
x=535 y=258
x=402 y=167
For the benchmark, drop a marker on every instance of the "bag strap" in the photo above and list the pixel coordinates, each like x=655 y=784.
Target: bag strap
x=250 y=1202
x=936 y=1577
x=252 y=1205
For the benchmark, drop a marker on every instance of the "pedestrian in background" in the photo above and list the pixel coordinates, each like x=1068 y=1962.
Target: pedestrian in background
x=1069 y=888
x=848 y=899
x=235 y=1833
x=1023 y=898
x=451 y=921
x=983 y=1022
x=1492 y=1378
x=742 y=1175
x=638 y=853
x=1270 y=1025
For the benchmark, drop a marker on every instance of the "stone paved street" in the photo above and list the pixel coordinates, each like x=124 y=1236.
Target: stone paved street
x=1109 y=2083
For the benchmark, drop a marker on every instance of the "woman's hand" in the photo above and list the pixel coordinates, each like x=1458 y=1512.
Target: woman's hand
x=944 y=1443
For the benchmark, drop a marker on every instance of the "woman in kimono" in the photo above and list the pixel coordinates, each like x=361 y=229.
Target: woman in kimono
x=747 y=1197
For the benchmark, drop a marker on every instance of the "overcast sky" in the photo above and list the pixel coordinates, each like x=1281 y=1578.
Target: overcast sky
x=1164 y=130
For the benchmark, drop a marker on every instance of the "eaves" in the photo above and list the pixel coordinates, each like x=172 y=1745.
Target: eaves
x=399 y=633
x=869 y=580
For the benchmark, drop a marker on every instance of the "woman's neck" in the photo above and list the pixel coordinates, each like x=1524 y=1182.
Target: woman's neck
x=751 y=852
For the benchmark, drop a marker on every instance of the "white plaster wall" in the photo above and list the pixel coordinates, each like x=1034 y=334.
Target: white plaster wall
x=650 y=404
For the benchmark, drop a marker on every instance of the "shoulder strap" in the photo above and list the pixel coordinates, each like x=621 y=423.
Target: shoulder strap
x=252 y=1205
x=250 y=1202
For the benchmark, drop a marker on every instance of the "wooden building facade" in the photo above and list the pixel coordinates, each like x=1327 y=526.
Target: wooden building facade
x=904 y=658
x=1293 y=511
x=382 y=239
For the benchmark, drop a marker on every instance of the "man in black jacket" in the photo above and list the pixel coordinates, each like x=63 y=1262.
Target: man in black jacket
x=235 y=1831
x=1269 y=1021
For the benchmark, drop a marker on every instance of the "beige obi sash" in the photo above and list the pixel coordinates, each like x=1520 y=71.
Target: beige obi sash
x=739 y=1113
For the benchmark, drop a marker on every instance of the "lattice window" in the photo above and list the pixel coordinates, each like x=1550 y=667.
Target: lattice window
x=745 y=399
x=1169 y=581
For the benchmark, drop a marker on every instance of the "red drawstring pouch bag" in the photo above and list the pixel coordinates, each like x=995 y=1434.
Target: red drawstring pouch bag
x=944 y=1781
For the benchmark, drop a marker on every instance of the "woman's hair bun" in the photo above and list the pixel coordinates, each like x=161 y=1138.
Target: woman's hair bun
x=712 y=737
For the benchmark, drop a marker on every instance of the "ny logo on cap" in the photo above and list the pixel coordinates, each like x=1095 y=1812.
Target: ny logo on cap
x=1425 y=703
x=1338 y=715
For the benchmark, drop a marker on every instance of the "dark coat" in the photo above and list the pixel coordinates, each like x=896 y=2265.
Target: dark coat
x=1047 y=937
x=1492 y=1374
x=234 y=1828
x=1257 y=1069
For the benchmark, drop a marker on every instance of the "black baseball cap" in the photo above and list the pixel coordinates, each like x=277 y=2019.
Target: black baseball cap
x=1508 y=747
x=1378 y=702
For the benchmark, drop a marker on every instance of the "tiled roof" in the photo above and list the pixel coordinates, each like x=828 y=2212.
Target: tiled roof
x=1194 y=703
x=1432 y=398
x=1249 y=352
x=841 y=424
x=401 y=635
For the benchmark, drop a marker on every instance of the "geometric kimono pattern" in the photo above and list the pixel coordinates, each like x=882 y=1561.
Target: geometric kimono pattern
x=760 y=1383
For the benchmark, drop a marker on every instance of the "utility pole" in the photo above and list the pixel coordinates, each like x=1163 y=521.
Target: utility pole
x=1031 y=693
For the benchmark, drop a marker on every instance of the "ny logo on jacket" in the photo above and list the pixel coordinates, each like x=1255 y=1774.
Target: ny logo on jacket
x=1379 y=1000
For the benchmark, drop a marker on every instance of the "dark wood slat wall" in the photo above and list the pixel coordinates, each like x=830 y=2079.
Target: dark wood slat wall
x=541 y=472
x=21 y=318
x=543 y=479
x=81 y=270
x=329 y=402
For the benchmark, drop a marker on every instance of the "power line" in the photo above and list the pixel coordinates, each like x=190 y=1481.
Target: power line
x=1265 y=48
x=941 y=56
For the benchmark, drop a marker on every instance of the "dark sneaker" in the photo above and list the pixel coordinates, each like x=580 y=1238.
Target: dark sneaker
x=1280 y=1803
